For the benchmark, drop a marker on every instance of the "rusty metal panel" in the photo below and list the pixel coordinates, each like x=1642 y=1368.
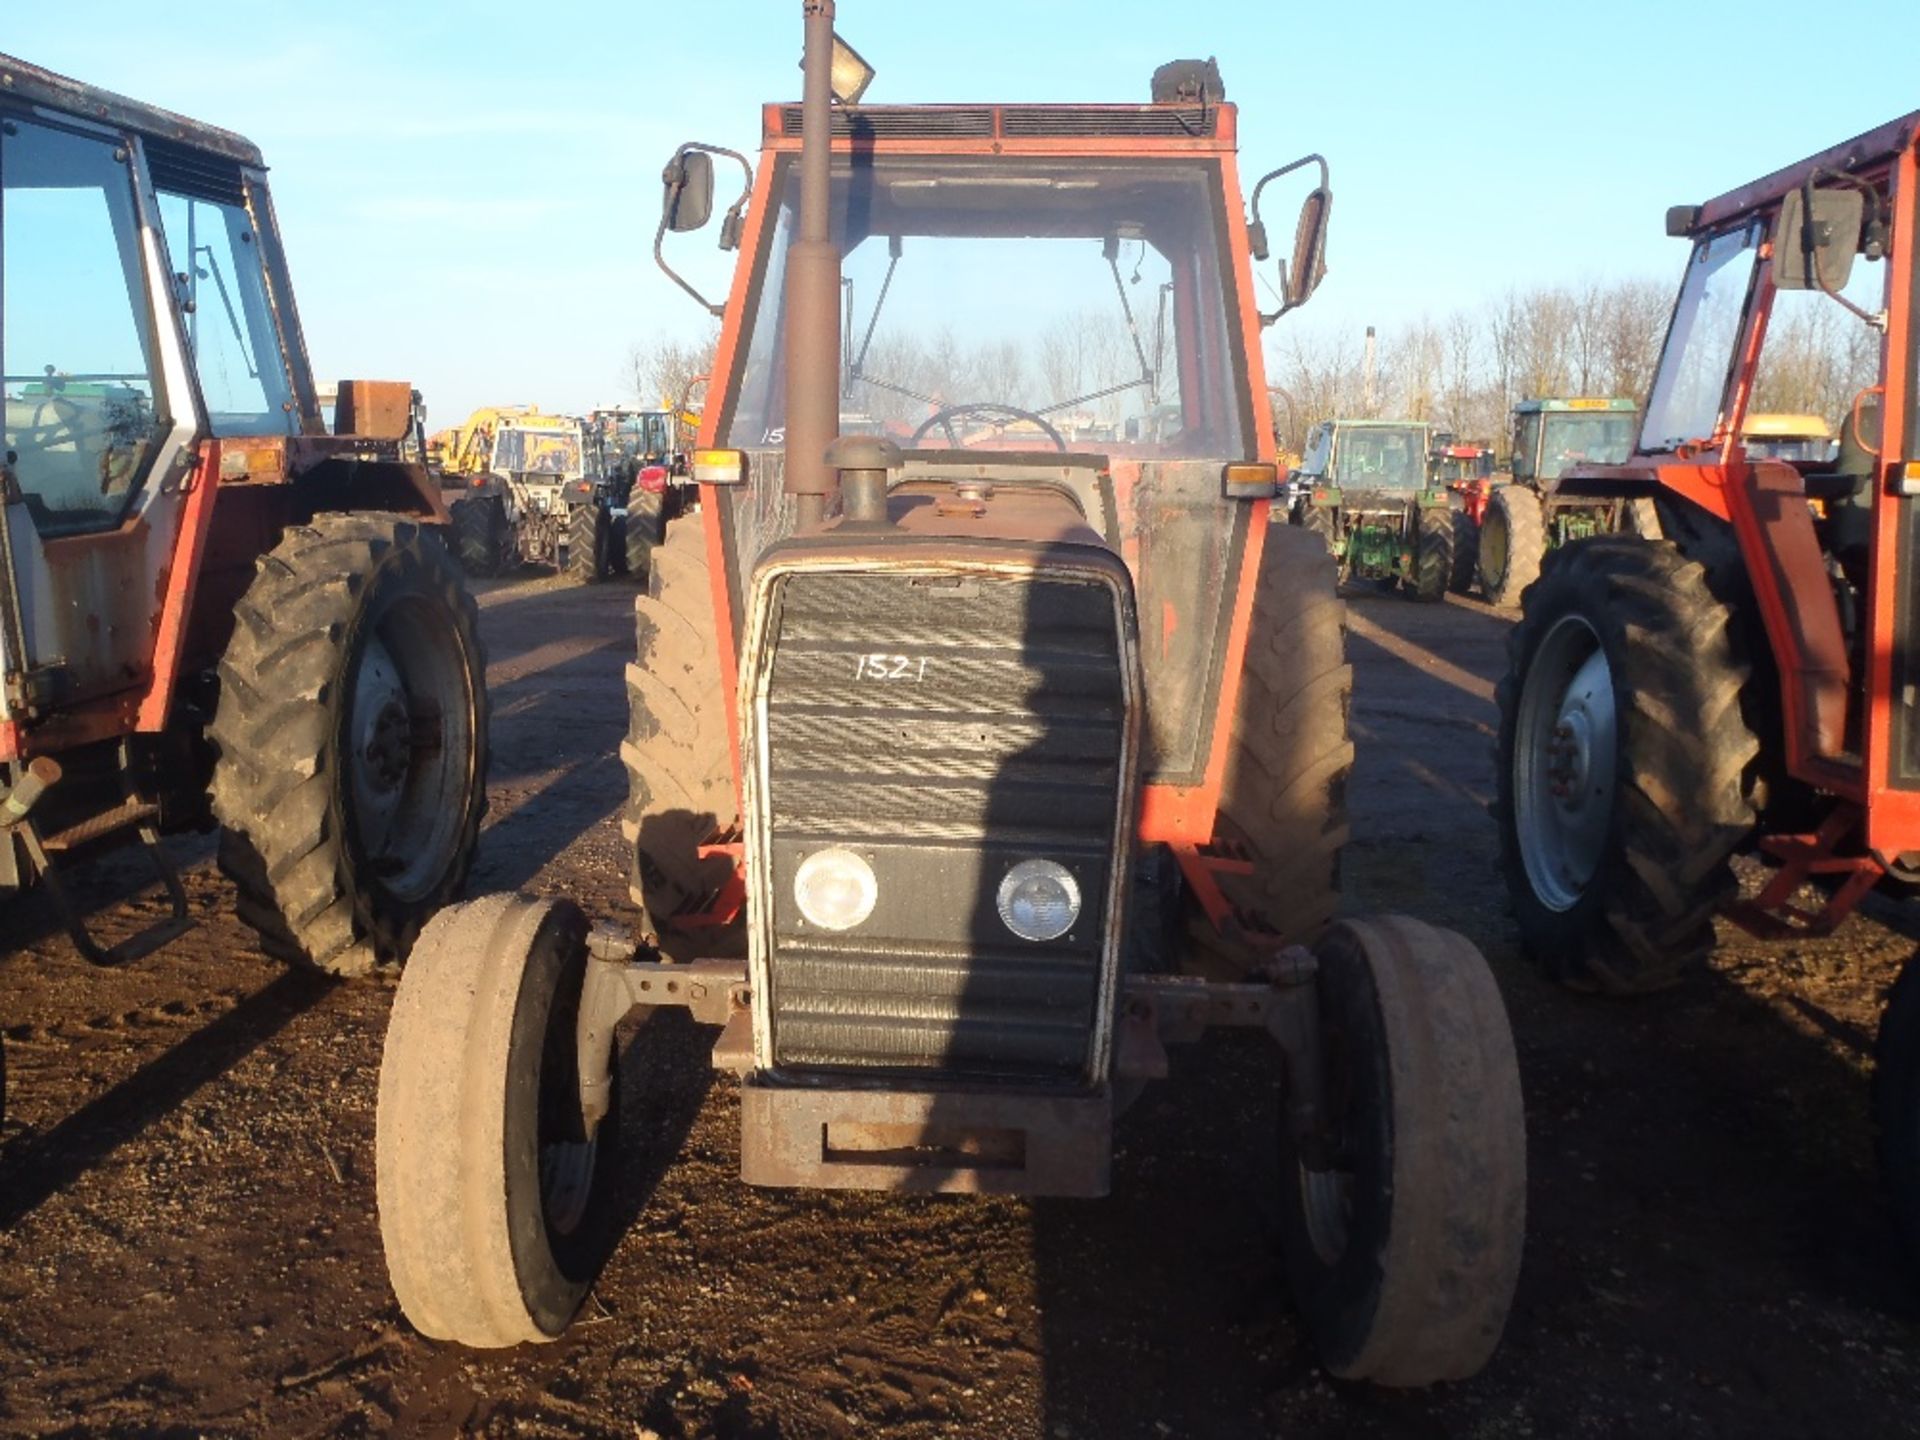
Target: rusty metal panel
x=378 y=409
x=928 y=1142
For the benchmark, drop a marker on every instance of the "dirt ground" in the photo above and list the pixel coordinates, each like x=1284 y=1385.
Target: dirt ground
x=188 y=1241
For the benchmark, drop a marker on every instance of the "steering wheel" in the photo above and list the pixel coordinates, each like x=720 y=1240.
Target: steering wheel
x=945 y=418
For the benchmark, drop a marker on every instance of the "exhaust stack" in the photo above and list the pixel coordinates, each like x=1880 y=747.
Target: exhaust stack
x=813 y=287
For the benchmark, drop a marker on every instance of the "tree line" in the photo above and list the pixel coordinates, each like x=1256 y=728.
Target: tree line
x=1463 y=373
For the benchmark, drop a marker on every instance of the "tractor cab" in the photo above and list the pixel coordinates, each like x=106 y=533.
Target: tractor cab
x=1552 y=434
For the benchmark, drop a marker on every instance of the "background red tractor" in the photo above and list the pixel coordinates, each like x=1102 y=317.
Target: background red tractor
x=213 y=610
x=1751 y=681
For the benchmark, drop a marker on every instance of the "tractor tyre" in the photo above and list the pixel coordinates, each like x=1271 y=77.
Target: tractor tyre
x=1896 y=1103
x=351 y=735
x=1402 y=1229
x=479 y=524
x=588 y=530
x=1433 y=555
x=677 y=751
x=1284 y=797
x=1513 y=543
x=1320 y=521
x=1623 y=764
x=496 y=1199
x=646 y=528
x=1466 y=553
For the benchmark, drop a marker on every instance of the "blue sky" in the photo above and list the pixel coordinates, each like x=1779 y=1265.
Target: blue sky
x=468 y=193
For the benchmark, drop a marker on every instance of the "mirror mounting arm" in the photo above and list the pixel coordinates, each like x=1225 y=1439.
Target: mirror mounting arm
x=729 y=223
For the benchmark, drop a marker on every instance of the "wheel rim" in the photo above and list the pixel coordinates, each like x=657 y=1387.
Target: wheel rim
x=1493 y=545
x=1326 y=1203
x=567 y=1155
x=409 y=746
x=1565 y=744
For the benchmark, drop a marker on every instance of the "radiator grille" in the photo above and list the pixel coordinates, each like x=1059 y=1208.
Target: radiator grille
x=946 y=729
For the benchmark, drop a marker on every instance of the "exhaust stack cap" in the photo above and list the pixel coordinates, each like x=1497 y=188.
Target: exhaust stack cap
x=863 y=462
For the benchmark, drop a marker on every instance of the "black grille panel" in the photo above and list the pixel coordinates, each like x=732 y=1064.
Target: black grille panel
x=970 y=122
x=1094 y=120
x=946 y=730
x=977 y=122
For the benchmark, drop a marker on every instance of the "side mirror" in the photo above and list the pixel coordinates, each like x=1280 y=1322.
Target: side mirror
x=1816 y=238
x=686 y=203
x=1299 y=280
x=688 y=200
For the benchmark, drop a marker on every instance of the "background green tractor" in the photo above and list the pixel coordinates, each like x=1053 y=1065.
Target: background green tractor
x=1528 y=517
x=1368 y=489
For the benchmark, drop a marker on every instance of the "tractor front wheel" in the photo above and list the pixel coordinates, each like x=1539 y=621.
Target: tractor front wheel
x=479 y=535
x=1622 y=764
x=1513 y=543
x=1403 y=1226
x=495 y=1196
x=646 y=528
x=352 y=739
x=1433 y=555
x=1284 y=799
x=588 y=529
x=1466 y=552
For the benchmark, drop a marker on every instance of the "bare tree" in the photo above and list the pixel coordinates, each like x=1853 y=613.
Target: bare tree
x=659 y=371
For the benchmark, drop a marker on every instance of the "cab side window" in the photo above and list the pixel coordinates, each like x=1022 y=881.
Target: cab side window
x=78 y=364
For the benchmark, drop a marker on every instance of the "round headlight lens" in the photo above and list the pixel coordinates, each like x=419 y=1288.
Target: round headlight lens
x=835 y=889
x=1039 y=900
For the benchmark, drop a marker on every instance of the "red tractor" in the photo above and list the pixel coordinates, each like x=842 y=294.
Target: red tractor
x=1751 y=680
x=939 y=731
x=213 y=609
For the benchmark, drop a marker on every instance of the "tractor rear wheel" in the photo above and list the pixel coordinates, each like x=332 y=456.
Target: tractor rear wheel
x=677 y=751
x=1403 y=1233
x=1466 y=552
x=1622 y=764
x=496 y=1201
x=1513 y=543
x=588 y=529
x=479 y=526
x=352 y=738
x=1433 y=557
x=1896 y=1102
x=1284 y=798
x=646 y=528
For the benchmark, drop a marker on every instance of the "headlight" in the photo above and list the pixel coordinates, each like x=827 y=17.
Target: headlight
x=835 y=889
x=1039 y=900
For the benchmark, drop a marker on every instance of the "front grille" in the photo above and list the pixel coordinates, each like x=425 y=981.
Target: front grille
x=946 y=728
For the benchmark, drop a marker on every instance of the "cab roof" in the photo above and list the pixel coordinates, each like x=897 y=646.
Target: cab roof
x=1187 y=125
x=43 y=88
x=1860 y=153
x=1532 y=407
